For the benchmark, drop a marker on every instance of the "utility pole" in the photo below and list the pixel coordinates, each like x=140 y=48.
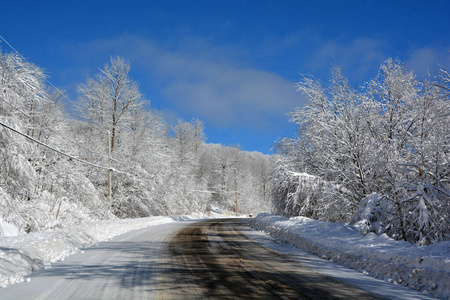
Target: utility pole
x=110 y=169
x=235 y=190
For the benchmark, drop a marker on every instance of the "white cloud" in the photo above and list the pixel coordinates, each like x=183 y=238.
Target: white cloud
x=426 y=59
x=208 y=82
x=357 y=56
x=361 y=57
x=225 y=95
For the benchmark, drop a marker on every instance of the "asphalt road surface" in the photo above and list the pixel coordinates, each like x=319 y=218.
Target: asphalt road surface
x=212 y=259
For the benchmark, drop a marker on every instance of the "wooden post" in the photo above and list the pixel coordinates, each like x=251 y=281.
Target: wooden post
x=110 y=172
x=59 y=207
x=235 y=190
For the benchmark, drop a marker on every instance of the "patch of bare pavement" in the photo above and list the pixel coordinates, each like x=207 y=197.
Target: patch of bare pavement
x=214 y=260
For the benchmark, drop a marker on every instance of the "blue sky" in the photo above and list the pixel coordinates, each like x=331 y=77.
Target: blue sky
x=231 y=64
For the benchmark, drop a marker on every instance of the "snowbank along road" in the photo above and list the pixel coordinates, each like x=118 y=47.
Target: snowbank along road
x=214 y=259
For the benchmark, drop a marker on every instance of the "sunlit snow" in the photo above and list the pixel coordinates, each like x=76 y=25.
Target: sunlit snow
x=426 y=269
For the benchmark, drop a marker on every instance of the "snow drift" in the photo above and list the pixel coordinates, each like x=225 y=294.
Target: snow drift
x=20 y=255
x=423 y=268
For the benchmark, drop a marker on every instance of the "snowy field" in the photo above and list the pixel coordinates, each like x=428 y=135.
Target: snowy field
x=426 y=269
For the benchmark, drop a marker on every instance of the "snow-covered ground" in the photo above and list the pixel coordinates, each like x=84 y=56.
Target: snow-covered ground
x=21 y=254
x=426 y=269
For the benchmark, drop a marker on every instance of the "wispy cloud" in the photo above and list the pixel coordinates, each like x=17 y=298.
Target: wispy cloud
x=359 y=56
x=362 y=56
x=207 y=82
x=196 y=78
x=427 y=59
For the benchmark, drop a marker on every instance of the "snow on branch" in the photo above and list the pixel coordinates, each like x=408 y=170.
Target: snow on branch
x=58 y=151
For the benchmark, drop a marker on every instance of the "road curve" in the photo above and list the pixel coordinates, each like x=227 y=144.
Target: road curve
x=214 y=260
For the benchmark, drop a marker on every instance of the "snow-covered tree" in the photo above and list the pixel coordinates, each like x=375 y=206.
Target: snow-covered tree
x=108 y=99
x=188 y=137
x=53 y=168
x=389 y=137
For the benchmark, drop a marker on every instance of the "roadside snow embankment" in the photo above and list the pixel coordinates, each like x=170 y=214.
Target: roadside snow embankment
x=426 y=269
x=20 y=255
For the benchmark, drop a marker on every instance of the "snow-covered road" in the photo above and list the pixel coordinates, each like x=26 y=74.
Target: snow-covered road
x=126 y=267
x=148 y=263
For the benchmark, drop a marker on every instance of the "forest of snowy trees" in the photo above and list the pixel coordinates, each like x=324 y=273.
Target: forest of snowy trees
x=377 y=156
x=55 y=169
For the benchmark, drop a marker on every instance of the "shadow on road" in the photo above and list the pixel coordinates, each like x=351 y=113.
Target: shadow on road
x=204 y=260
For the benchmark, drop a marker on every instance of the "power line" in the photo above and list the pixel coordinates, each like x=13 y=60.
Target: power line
x=46 y=79
x=46 y=126
x=59 y=91
x=58 y=151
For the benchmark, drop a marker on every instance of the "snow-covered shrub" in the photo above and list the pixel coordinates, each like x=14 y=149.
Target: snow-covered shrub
x=390 y=137
x=369 y=218
x=428 y=214
x=301 y=194
x=427 y=200
x=11 y=223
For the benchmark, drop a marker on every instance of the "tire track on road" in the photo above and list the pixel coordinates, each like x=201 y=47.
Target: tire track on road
x=214 y=260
